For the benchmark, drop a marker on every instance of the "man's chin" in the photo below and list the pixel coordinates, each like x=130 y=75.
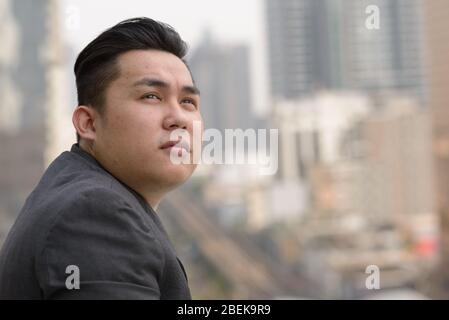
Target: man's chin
x=177 y=174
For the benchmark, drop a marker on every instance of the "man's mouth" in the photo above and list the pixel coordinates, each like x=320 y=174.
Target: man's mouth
x=178 y=144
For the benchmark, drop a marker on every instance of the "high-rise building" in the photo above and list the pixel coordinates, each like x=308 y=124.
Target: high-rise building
x=31 y=95
x=399 y=184
x=222 y=74
x=390 y=57
x=327 y=44
x=299 y=52
x=437 y=31
x=24 y=65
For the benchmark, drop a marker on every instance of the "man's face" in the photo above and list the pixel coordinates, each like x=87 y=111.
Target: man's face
x=153 y=96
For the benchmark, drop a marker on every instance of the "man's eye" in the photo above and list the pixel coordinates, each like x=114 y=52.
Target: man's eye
x=150 y=96
x=189 y=101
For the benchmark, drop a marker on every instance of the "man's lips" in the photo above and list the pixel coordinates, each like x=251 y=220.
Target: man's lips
x=178 y=143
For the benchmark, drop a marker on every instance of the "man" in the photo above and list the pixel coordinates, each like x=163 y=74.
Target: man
x=89 y=230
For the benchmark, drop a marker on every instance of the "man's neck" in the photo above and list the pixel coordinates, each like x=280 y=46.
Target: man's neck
x=151 y=197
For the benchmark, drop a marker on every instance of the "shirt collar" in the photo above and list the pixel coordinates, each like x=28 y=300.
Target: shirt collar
x=84 y=154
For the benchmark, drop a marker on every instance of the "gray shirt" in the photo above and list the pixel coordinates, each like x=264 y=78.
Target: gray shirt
x=81 y=218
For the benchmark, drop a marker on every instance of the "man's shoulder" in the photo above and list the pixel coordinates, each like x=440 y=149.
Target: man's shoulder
x=82 y=200
x=70 y=181
x=70 y=170
x=105 y=237
x=76 y=195
x=83 y=194
x=79 y=195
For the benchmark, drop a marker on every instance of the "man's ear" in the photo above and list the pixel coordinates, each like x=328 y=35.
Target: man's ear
x=83 y=120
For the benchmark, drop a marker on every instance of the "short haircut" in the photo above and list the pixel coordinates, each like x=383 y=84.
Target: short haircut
x=96 y=66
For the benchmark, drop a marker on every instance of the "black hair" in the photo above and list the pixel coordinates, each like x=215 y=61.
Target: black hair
x=96 y=66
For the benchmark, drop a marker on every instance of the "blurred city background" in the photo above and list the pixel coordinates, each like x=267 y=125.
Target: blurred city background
x=359 y=92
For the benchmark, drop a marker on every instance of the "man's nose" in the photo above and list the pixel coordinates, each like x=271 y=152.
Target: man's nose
x=176 y=117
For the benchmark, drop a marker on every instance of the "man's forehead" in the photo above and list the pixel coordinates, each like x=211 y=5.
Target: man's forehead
x=166 y=67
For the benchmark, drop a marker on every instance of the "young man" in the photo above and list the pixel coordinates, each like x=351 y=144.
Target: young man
x=90 y=230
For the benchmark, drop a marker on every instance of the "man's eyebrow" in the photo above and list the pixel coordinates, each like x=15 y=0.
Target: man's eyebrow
x=191 y=90
x=162 y=84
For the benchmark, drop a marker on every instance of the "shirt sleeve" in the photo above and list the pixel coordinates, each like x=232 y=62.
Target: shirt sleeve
x=115 y=251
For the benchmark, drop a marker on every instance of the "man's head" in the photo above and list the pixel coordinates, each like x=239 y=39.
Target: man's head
x=134 y=89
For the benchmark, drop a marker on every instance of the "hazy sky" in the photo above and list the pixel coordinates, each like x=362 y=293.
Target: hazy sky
x=229 y=21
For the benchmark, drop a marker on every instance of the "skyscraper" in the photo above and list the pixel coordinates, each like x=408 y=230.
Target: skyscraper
x=24 y=69
x=437 y=30
x=30 y=91
x=326 y=44
x=222 y=74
